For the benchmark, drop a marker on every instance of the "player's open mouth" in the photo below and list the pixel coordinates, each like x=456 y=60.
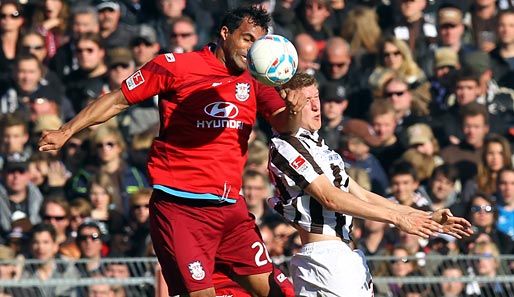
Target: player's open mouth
x=244 y=58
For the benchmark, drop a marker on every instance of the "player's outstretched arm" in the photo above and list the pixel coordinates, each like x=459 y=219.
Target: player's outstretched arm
x=454 y=226
x=332 y=198
x=97 y=112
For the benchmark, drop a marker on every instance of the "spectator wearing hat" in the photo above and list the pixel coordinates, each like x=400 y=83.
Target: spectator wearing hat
x=502 y=56
x=18 y=196
x=333 y=104
x=183 y=37
x=451 y=30
x=91 y=239
x=446 y=65
x=144 y=45
x=423 y=151
x=84 y=19
x=113 y=32
x=357 y=140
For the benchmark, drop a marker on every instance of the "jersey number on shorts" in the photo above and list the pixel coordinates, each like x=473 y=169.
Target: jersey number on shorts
x=261 y=250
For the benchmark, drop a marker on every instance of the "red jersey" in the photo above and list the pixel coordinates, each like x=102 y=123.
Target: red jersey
x=207 y=115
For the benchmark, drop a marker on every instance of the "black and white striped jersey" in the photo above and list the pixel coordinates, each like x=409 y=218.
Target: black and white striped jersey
x=295 y=162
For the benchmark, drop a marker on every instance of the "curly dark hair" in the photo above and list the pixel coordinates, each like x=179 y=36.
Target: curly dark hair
x=255 y=14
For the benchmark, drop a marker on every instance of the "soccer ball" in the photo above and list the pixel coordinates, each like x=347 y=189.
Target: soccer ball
x=272 y=60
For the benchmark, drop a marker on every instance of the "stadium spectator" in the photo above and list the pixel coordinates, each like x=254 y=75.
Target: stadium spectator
x=84 y=19
x=451 y=270
x=310 y=18
x=183 y=37
x=414 y=29
x=355 y=145
x=446 y=66
x=336 y=67
x=334 y=102
x=451 y=29
x=91 y=237
x=308 y=54
x=487 y=265
x=383 y=120
x=18 y=196
x=11 y=24
x=44 y=247
x=87 y=82
x=360 y=28
x=442 y=189
x=482 y=212
x=80 y=210
x=51 y=19
x=502 y=55
x=421 y=139
x=256 y=189
x=505 y=197
x=139 y=222
x=484 y=24
x=465 y=155
x=496 y=154
x=144 y=45
x=405 y=186
x=257 y=157
x=113 y=32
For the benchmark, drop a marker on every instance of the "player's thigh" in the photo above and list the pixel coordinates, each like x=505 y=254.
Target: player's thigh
x=331 y=268
x=185 y=243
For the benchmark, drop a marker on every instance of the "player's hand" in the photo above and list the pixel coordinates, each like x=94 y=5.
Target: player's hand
x=454 y=226
x=295 y=100
x=53 y=139
x=418 y=223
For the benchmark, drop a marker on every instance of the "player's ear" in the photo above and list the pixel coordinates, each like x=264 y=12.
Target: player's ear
x=224 y=32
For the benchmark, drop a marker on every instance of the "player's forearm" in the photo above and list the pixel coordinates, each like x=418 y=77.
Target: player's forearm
x=286 y=122
x=97 y=112
x=335 y=199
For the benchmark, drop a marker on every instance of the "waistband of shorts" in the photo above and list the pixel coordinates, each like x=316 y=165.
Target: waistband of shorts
x=191 y=202
x=324 y=244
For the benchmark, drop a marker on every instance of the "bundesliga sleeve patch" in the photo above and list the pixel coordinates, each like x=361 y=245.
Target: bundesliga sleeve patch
x=169 y=57
x=135 y=80
x=298 y=163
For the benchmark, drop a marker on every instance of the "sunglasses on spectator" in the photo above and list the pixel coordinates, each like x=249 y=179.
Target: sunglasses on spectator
x=403 y=260
x=108 y=145
x=447 y=26
x=32 y=47
x=338 y=65
x=88 y=50
x=94 y=237
x=182 y=35
x=140 y=42
x=391 y=94
x=13 y=15
x=477 y=208
x=139 y=206
x=485 y=255
x=122 y=65
x=395 y=53
x=57 y=218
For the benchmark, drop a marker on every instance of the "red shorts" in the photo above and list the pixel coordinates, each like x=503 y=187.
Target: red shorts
x=192 y=237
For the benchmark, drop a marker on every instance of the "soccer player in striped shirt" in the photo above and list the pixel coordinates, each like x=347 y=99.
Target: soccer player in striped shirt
x=319 y=198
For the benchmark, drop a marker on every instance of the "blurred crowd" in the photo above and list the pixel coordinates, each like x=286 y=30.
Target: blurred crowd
x=417 y=95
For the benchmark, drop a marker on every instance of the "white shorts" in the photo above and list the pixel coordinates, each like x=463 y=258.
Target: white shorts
x=330 y=268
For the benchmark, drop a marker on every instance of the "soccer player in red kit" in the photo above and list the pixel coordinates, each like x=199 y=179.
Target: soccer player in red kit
x=208 y=103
